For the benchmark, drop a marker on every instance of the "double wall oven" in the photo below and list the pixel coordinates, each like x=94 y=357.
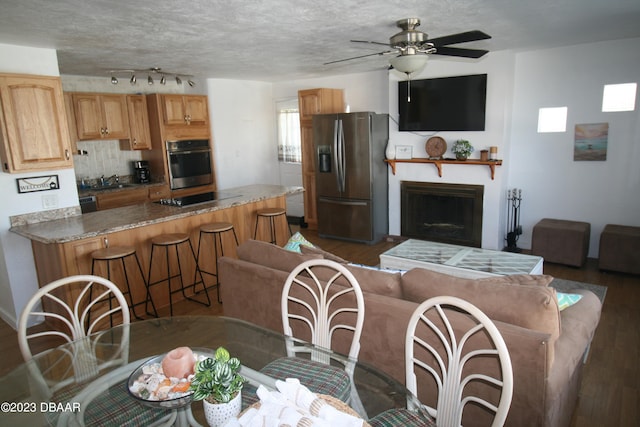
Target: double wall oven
x=189 y=163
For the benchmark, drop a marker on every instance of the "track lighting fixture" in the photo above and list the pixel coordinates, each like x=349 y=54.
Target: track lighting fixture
x=151 y=72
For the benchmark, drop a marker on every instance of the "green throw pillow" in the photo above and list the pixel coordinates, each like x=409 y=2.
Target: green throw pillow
x=567 y=300
x=295 y=241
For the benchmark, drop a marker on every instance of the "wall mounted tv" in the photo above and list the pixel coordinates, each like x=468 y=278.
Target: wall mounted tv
x=448 y=103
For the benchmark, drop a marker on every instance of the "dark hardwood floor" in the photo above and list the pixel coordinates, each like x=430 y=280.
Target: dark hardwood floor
x=610 y=391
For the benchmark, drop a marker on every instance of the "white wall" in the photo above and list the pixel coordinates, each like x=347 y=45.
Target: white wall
x=244 y=132
x=553 y=184
x=499 y=68
x=18 y=279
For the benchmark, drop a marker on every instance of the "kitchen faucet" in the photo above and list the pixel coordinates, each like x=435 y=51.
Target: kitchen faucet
x=107 y=181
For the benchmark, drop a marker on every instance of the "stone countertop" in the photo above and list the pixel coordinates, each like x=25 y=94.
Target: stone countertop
x=94 y=224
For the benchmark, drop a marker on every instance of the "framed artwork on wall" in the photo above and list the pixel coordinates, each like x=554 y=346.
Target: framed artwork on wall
x=590 y=142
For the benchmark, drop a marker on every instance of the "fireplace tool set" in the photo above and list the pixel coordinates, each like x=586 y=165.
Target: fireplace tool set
x=514 y=229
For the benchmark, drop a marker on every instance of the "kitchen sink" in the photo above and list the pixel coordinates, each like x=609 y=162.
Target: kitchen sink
x=111 y=186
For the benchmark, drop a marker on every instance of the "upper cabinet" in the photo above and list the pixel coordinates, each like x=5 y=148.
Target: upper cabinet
x=100 y=116
x=184 y=110
x=33 y=123
x=140 y=137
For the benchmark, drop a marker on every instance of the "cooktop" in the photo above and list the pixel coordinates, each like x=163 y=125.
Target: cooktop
x=194 y=199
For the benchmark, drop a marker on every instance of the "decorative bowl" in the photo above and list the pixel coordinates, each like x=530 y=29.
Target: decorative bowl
x=171 y=403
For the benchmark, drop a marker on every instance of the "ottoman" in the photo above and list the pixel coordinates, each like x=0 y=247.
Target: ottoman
x=620 y=249
x=561 y=241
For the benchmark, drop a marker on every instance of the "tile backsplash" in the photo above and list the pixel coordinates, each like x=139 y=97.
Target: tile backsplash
x=103 y=157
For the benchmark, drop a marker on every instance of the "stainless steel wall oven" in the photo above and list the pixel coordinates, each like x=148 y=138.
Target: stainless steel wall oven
x=189 y=163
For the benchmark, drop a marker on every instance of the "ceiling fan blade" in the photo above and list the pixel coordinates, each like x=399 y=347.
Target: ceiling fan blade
x=360 y=56
x=458 y=51
x=369 y=42
x=468 y=36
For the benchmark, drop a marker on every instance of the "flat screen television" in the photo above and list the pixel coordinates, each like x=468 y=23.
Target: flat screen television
x=441 y=104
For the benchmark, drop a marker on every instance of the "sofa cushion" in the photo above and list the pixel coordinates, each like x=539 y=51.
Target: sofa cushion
x=521 y=279
x=295 y=241
x=567 y=300
x=532 y=307
x=270 y=255
x=315 y=250
x=376 y=281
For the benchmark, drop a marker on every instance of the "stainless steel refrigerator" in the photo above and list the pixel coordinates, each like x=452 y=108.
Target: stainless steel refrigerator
x=351 y=175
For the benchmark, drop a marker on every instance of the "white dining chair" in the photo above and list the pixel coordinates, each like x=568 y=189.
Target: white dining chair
x=79 y=312
x=452 y=362
x=321 y=298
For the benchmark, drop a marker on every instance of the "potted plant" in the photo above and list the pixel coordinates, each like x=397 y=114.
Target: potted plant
x=218 y=384
x=462 y=148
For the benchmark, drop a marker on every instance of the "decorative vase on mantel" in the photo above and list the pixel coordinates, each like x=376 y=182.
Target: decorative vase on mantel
x=217 y=414
x=390 y=151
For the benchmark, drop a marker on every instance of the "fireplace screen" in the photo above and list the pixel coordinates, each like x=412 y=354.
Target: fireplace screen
x=446 y=213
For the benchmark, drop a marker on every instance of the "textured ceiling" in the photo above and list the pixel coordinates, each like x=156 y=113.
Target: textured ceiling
x=279 y=40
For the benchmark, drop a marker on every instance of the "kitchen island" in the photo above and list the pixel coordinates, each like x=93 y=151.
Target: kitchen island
x=63 y=247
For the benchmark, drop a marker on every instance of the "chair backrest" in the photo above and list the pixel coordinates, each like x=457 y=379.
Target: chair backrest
x=453 y=357
x=326 y=297
x=93 y=300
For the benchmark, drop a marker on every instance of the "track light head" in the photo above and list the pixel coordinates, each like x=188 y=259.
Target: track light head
x=114 y=80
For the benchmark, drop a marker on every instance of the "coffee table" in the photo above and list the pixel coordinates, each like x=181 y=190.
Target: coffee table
x=461 y=261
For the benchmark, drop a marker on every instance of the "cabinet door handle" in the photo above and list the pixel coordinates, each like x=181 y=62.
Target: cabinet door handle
x=106 y=131
x=66 y=153
x=135 y=141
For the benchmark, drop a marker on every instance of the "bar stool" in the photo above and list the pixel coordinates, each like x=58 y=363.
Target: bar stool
x=121 y=253
x=168 y=241
x=216 y=229
x=271 y=214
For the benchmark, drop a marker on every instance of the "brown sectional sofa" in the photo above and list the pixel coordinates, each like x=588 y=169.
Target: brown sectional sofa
x=546 y=345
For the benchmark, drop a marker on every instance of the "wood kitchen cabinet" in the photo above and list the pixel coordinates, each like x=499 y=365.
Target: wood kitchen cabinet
x=139 y=134
x=185 y=110
x=100 y=116
x=117 y=199
x=310 y=102
x=167 y=123
x=34 y=133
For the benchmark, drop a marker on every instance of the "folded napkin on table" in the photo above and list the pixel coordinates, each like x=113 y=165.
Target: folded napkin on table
x=293 y=404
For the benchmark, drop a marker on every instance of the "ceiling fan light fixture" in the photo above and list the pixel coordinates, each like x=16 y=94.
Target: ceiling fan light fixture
x=409 y=64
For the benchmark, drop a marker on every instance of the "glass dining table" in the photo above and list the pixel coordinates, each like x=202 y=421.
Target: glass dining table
x=85 y=382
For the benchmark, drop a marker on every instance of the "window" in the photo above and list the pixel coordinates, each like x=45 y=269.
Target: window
x=552 y=119
x=620 y=97
x=289 y=147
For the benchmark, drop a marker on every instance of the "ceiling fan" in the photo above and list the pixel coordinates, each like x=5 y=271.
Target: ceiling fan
x=414 y=46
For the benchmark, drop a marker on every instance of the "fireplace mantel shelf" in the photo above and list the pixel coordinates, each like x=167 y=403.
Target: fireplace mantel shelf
x=491 y=163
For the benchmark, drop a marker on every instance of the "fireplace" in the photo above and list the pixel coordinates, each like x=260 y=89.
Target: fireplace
x=446 y=213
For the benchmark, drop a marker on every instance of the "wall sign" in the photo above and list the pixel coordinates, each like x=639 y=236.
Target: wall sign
x=37 y=183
